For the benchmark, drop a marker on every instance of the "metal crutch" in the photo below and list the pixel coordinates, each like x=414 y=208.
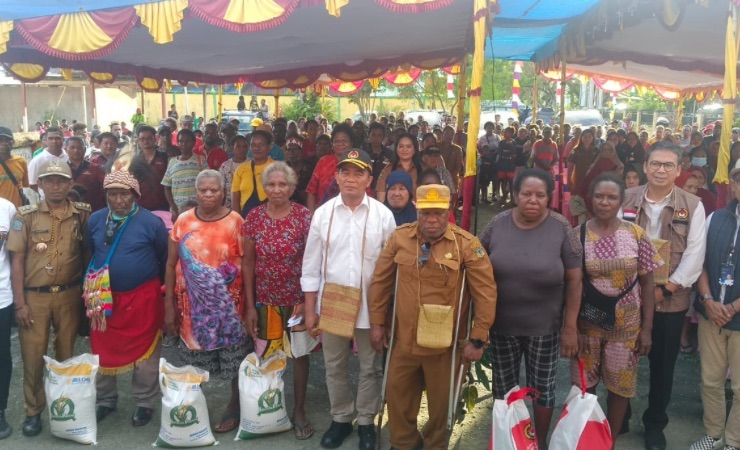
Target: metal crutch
x=454 y=383
x=379 y=427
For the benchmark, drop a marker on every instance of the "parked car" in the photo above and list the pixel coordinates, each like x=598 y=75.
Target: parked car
x=244 y=117
x=431 y=116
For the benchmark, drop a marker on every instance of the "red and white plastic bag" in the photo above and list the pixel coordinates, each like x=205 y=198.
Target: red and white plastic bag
x=512 y=427
x=582 y=425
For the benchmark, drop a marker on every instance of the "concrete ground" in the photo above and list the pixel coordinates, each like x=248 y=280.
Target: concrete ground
x=116 y=432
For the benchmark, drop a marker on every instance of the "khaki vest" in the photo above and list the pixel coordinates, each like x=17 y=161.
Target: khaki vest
x=675 y=221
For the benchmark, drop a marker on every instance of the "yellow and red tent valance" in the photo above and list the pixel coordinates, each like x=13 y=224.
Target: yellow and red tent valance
x=243 y=16
x=403 y=78
x=555 y=75
x=612 y=86
x=348 y=87
x=413 y=6
x=149 y=84
x=667 y=94
x=78 y=36
x=28 y=73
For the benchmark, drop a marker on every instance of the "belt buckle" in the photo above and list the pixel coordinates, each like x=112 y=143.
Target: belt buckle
x=55 y=289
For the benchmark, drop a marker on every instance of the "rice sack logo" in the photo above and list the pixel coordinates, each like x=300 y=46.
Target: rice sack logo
x=270 y=401
x=62 y=409
x=183 y=416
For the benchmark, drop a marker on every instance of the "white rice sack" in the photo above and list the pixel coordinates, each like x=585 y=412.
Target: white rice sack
x=185 y=421
x=262 y=396
x=70 y=398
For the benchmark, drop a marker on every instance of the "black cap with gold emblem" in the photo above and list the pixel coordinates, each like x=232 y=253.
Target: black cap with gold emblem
x=358 y=157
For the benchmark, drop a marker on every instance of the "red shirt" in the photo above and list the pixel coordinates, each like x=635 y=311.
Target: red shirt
x=323 y=178
x=152 y=191
x=90 y=177
x=215 y=158
x=309 y=148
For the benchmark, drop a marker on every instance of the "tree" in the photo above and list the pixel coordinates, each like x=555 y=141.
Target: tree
x=308 y=106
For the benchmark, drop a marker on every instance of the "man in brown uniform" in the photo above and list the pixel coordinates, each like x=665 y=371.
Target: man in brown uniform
x=46 y=247
x=432 y=257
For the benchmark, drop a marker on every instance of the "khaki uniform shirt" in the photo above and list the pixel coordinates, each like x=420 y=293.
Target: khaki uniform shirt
x=31 y=232
x=438 y=282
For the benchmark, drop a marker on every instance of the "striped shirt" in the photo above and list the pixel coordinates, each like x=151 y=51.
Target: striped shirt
x=180 y=177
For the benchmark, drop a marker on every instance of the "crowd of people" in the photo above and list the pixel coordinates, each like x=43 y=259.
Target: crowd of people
x=214 y=241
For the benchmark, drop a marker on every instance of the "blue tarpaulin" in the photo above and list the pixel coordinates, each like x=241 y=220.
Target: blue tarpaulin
x=528 y=30
x=18 y=9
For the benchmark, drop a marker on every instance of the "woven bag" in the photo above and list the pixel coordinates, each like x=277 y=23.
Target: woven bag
x=340 y=306
x=435 y=325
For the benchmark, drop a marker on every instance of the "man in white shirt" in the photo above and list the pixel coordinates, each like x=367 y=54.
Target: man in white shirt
x=669 y=213
x=335 y=254
x=54 y=151
x=7 y=212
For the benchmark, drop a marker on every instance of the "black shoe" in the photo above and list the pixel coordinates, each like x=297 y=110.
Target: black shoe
x=101 y=412
x=418 y=447
x=654 y=440
x=142 y=416
x=367 y=436
x=336 y=434
x=5 y=429
x=32 y=425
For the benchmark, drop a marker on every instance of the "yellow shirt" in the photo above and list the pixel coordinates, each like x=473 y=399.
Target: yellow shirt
x=242 y=182
x=8 y=190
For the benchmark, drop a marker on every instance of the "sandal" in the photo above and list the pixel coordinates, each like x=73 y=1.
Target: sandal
x=303 y=431
x=231 y=419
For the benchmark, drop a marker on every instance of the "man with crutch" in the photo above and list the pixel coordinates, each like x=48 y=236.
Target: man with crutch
x=439 y=268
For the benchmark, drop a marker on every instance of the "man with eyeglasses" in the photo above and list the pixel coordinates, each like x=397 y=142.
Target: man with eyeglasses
x=432 y=259
x=667 y=213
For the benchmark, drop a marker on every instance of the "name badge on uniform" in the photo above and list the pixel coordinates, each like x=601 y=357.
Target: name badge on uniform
x=726 y=274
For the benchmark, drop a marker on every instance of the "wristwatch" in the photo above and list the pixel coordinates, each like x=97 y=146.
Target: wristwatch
x=706 y=297
x=666 y=292
x=477 y=343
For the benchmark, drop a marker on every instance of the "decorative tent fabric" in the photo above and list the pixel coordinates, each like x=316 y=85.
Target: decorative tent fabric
x=403 y=78
x=48 y=34
x=612 y=86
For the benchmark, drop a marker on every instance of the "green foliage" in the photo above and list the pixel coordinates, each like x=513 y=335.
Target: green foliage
x=650 y=101
x=309 y=107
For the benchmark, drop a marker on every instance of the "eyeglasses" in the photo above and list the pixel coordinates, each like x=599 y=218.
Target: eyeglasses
x=424 y=257
x=668 y=166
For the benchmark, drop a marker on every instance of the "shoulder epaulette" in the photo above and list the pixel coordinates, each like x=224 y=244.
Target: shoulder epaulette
x=83 y=206
x=23 y=210
x=405 y=225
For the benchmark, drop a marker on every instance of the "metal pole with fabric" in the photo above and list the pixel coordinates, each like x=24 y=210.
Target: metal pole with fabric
x=277 y=104
x=535 y=97
x=219 y=113
x=480 y=13
x=25 y=106
x=94 y=102
x=164 y=99
x=559 y=178
x=729 y=94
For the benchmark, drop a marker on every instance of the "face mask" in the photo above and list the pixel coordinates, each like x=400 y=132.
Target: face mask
x=699 y=162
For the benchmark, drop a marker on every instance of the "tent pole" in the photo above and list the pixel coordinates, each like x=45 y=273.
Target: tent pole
x=679 y=119
x=187 y=103
x=480 y=25
x=535 y=96
x=84 y=103
x=561 y=135
x=729 y=95
x=277 y=103
x=95 y=105
x=462 y=82
x=25 y=107
x=205 y=104
x=220 y=102
x=143 y=110
x=164 y=100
